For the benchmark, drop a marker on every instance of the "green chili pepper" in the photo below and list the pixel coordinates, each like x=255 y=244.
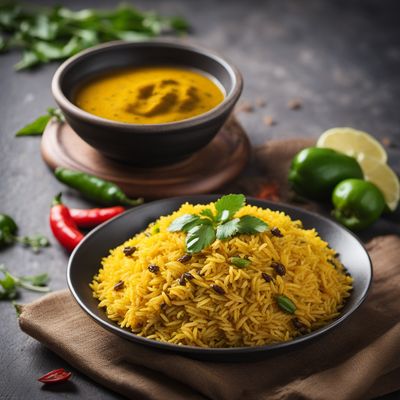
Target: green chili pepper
x=95 y=188
x=315 y=171
x=8 y=228
x=357 y=203
x=286 y=304
x=240 y=262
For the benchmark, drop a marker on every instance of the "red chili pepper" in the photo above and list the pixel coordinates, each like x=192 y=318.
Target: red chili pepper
x=63 y=226
x=58 y=375
x=94 y=216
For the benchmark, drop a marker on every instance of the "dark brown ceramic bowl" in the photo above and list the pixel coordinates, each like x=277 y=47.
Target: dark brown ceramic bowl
x=145 y=144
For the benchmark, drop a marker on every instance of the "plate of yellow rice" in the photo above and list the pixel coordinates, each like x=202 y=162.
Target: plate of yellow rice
x=186 y=275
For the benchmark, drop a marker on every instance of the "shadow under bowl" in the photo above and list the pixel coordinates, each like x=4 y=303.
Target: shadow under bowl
x=86 y=259
x=145 y=144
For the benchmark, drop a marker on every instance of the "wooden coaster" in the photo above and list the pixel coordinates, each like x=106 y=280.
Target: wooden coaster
x=204 y=172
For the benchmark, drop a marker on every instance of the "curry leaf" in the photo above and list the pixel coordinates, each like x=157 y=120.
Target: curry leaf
x=36 y=127
x=39 y=124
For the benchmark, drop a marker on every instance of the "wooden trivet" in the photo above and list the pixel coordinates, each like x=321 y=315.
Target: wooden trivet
x=205 y=171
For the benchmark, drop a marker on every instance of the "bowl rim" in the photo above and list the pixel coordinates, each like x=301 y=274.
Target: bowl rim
x=224 y=106
x=194 y=350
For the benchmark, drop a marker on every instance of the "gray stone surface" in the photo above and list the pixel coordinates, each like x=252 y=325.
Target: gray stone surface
x=342 y=58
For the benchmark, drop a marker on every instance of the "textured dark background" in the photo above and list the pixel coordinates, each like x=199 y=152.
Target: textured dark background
x=342 y=58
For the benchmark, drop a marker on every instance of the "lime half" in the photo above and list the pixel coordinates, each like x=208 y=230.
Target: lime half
x=354 y=143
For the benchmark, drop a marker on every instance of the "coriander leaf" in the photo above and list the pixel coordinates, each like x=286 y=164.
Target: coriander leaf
x=3 y=44
x=240 y=262
x=199 y=237
x=29 y=59
x=181 y=223
x=249 y=224
x=179 y=24
x=34 y=242
x=48 y=51
x=228 y=205
x=36 y=280
x=8 y=286
x=56 y=113
x=51 y=33
x=228 y=229
x=207 y=213
x=41 y=27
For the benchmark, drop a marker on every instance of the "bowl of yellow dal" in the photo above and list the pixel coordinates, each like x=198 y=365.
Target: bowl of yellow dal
x=147 y=103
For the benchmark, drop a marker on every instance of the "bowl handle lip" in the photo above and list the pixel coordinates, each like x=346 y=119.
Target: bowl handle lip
x=69 y=108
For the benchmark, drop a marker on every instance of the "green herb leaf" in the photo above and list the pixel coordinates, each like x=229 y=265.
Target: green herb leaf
x=34 y=242
x=240 y=262
x=10 y=283
x=8 y=286
x=199 y=237
x=29 y=59
x=37 y=127
x=249 y=225
x=207 y=213
x=3 y=44
x=17 y=307
x=286 y=304
x=36 y=280
x=228 y=205
x=228 y=229
x=45 y=34
x=183 y=223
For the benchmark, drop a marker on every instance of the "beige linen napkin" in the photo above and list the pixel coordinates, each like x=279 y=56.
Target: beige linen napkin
x=358 y=360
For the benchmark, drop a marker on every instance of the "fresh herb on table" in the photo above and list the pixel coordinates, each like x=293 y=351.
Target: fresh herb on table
x=36 y=127
x=46 y=34
x=9 y=284
x=202 y=230
x=8 y=229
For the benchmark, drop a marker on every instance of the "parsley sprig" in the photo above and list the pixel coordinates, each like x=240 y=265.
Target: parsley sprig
x=9 y=284
x=202 y=230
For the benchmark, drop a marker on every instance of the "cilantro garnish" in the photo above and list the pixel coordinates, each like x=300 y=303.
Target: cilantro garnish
x=9 y=284
x=202 y=230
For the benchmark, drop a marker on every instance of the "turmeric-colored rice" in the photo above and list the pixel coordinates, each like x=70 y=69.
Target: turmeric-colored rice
x=158 y=306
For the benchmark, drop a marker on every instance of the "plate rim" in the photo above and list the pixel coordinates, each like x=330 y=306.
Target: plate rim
x=195 y=350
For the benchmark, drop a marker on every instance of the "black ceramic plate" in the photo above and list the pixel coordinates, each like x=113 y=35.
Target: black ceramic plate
x=85 y=262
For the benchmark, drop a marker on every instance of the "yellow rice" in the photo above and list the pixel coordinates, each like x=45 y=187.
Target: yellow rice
x=158 y=307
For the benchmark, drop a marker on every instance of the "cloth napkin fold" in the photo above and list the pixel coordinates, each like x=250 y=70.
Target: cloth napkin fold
x=358 y=360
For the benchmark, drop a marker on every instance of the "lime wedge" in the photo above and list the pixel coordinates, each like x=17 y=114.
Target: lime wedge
x=354 y=143
x=380 y=174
